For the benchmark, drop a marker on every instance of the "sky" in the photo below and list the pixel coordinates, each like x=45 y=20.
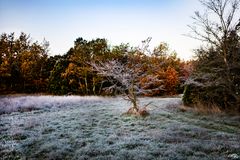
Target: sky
x=119 y=21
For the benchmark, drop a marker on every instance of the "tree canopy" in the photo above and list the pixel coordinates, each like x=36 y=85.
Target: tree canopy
x=25 y=66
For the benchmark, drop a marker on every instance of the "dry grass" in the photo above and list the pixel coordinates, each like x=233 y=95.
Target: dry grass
x=207 y=109
x=183 y=108
x=141 y=112
x=202 y=109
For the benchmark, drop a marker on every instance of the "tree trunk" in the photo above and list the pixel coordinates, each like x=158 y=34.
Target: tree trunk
x=100 y=89
x=86 y=84
x=94 y=87
x=133 y=98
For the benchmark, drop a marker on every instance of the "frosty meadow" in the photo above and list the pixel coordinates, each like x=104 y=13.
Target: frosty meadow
x=74 y=127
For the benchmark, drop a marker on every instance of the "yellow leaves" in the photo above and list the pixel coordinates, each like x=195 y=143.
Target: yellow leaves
x=27 y=63
x=70 y=70
x=26 y=67
x=5 y=68
x=72 y=81
x=5 y=65
x=5 y=62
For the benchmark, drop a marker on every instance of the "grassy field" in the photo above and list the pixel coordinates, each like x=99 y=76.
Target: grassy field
x=72 y=127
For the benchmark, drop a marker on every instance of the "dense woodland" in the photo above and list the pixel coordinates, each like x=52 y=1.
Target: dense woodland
x=27 y=67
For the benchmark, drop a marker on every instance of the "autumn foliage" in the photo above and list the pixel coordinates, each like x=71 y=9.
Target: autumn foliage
x=25 y=66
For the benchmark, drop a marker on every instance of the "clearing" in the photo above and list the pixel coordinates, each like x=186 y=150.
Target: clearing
x=74 y=127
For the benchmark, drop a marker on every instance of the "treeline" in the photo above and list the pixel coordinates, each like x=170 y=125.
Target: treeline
x=26 y=67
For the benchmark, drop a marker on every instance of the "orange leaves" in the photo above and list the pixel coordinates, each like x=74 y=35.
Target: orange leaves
x=171 y=80
x=161 y=82
x=70 y=70
x=5 y=68
x=70 y=74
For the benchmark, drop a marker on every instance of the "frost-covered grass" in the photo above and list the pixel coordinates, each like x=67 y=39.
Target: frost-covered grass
x=72 y=127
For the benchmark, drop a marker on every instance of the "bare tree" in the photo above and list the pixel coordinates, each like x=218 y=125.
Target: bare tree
x=217 y=68
x=216 y=24
x=125 y=79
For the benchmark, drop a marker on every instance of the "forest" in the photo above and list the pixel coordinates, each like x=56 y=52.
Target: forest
x=26 y=67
